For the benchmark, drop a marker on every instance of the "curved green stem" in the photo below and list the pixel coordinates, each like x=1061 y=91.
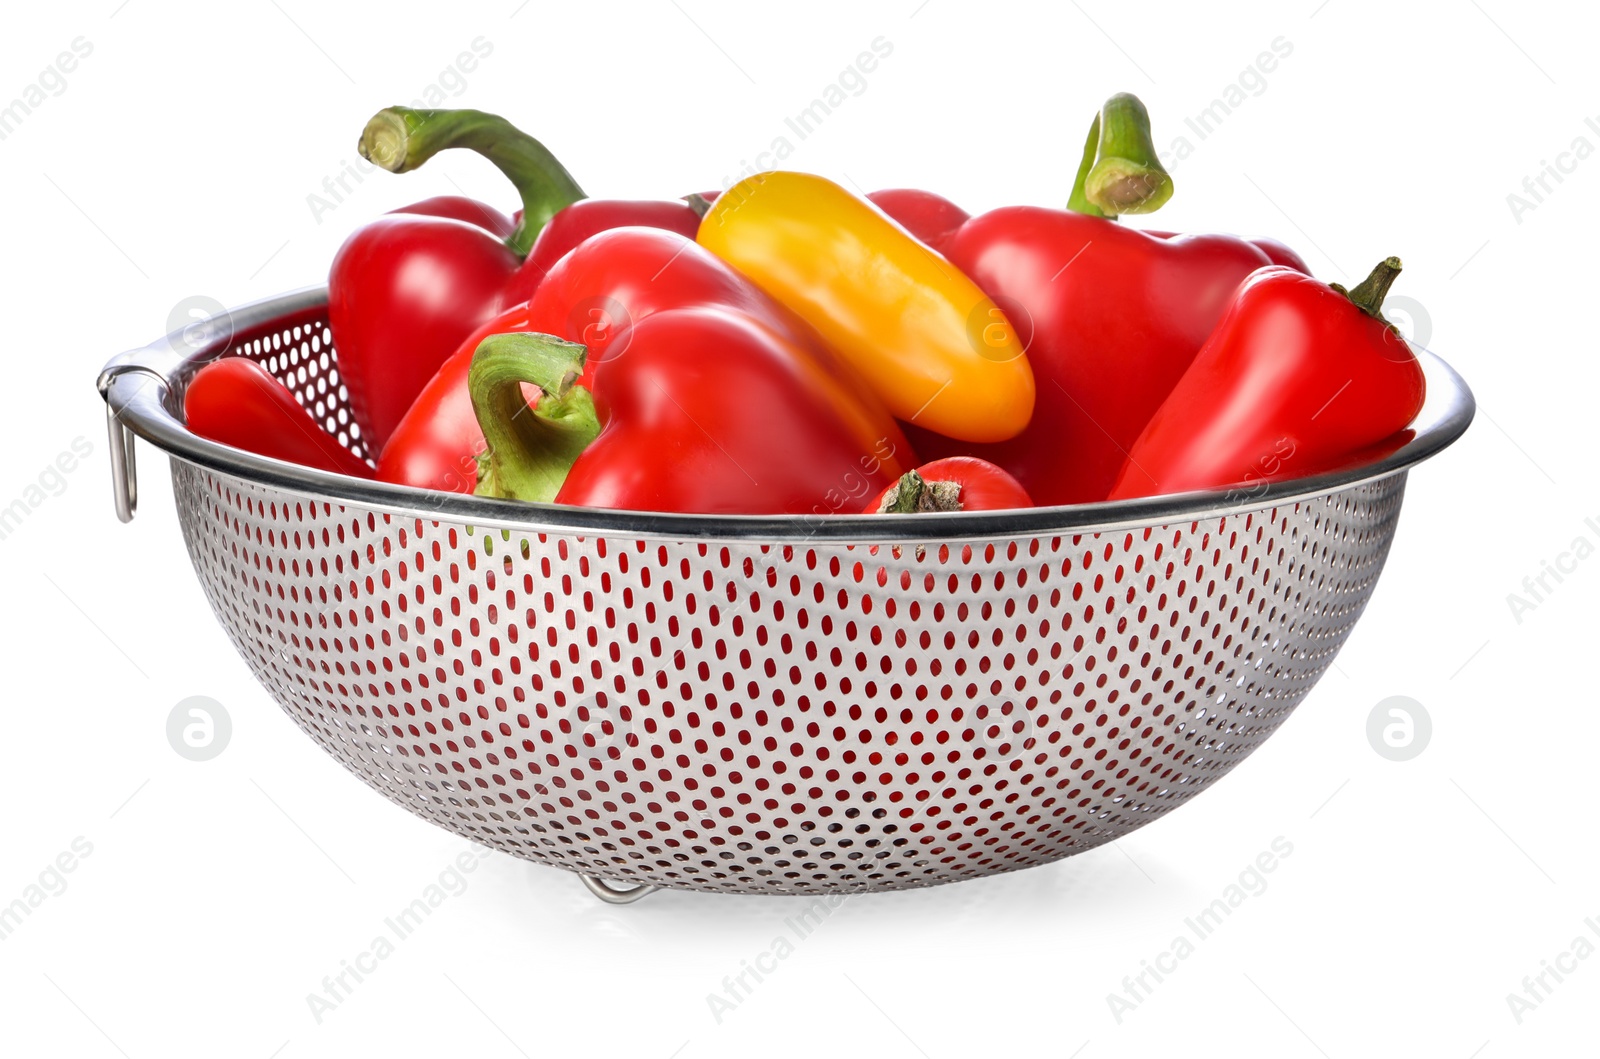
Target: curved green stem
x=400 y=139
x=1078 y=202
x=530 y=448
x=1368 y=295
x=1127 y=175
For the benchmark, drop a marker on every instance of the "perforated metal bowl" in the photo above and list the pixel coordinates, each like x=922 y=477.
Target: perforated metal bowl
x=761 y=704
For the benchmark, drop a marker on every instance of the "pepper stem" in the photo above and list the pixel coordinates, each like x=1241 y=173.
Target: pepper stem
x=914 y=494
x=1078 y=202
x=530 y=449
x=1127 y=175
x=400 y=139
x=1368 y=295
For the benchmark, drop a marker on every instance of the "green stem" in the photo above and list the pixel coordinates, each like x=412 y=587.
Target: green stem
x=400 y=139
x=1368 y=295
x=530 y=449
x=913 y=494
x=1078 y=202
x=1127 y=176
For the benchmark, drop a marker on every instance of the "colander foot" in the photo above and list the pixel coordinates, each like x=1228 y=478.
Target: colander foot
x=616 y=895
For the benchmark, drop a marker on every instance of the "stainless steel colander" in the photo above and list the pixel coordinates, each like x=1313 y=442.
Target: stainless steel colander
x=760 y=704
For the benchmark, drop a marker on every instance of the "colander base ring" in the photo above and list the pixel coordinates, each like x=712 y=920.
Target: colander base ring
x=616 y=895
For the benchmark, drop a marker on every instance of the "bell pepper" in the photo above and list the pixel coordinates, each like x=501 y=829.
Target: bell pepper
x=1111 y=316
x=405 y=289
x=709 y=411
x=597 y=295
x=916 y=329
x=238 y=402
x=956 y=483
x=1298 y=377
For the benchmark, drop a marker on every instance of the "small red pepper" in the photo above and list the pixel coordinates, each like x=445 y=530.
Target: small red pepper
x=597 y=295
x=1298 y=377
x=1111 y=316
x=956 y=483
x=237 y=402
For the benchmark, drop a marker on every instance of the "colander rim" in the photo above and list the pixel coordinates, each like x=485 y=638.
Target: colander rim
x=143 y=392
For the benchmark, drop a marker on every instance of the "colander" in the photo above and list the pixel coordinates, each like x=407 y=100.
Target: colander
x=779 y=705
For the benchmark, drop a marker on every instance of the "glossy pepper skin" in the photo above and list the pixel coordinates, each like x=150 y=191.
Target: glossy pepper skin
x=1281 y=254
x=915 y=328
x=931 y=218
x=596 y=296
x=934 y=219
x=708 y=411
x=461 y=208
x=238 y=402
x=406 y=289
x=402 y=292
x=1277 y=252
x=1298 y=377
x=956 y=483
x=590 y=217
x=436 y=443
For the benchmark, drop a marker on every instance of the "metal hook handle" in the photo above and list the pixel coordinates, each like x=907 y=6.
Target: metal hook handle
x=124 y=472
x=616 y=895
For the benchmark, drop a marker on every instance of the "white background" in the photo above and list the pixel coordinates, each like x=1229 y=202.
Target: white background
x=177 y=162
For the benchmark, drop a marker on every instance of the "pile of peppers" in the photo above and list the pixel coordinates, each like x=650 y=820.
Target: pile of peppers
x=787 y=346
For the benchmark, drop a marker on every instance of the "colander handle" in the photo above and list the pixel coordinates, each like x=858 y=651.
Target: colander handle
x=152 y=365
x=124 y=471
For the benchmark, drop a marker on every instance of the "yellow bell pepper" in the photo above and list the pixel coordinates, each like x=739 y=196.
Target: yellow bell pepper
x=921 y=333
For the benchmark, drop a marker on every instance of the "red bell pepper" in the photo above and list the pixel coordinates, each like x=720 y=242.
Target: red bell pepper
x=407 y=288
x=956 y=483
x=1298 y=377
x=237 y=402
x=1111 y=317
x=597 y=295
x=709 y=411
